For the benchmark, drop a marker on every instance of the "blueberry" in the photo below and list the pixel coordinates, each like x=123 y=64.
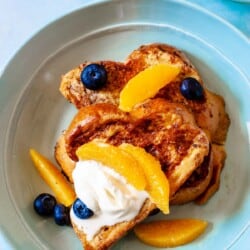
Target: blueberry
x=61 y=215
x=191 y=89
x=81 y=210
x=44 y=204
x=94 y=76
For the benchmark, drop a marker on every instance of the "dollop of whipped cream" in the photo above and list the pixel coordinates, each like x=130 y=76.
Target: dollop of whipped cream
x=107 y=194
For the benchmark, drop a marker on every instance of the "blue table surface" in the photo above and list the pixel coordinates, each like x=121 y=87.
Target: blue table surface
x=20 y=20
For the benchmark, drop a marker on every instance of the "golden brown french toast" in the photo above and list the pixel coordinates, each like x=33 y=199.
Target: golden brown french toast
x=209 y=113
x=204 y=181
x=166 y=130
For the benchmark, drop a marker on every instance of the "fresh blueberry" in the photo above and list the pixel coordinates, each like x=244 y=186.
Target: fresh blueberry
x=44 y=204
x=191 y=89
x=94 y=76
x=61 y=215
x=81 y=210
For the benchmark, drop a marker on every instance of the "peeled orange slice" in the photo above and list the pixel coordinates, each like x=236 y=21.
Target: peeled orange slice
x=170 y=233
x=62 y=189
x=157 y=182
x=116 y=158
x=146 y=84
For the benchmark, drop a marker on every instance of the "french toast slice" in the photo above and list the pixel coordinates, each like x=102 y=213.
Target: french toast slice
x=219 y=157
x=199 y=187
x=165 y=130
x=109 y=235
x=182 y=134
x=209 y=113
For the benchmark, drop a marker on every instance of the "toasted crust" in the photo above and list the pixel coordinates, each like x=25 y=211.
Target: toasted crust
x=218 y=164
x=209 y=113
x=197 y=183
x=107 y=236
x=62 y=158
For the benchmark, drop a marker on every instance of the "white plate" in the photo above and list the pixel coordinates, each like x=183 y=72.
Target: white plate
x=33 y=113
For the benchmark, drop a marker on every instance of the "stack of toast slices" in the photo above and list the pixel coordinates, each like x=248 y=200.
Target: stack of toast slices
x=186 y=136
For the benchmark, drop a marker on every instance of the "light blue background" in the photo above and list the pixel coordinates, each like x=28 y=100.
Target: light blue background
x=20 y=20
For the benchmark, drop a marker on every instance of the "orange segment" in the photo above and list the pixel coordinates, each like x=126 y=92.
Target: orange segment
x=116 y=158
x=146 y=84
x=157 y=182
x=170 y=233
x=64 y=192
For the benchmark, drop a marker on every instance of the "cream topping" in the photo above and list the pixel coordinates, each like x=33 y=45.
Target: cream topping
x=107 y=194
